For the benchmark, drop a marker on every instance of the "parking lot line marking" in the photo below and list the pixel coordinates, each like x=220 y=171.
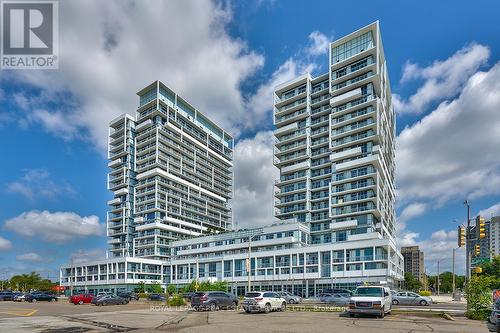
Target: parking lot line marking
x=16 y=312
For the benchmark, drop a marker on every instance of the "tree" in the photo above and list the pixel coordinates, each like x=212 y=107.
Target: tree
x=171 y=289
x=411 y=282
x=156 y=288
x=492 y=270
x=478 y=295
x=141 y=287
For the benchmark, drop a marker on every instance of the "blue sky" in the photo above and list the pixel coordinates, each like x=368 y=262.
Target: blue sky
x=441 y=59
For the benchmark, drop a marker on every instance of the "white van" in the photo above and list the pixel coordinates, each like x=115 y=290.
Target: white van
x=375 y=300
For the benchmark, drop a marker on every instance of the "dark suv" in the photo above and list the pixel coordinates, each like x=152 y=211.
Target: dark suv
x=128 y=295
x=37 y=296
x=213 y=300
x=6 y=295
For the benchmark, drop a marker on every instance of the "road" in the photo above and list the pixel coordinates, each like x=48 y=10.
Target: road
x=63 y=317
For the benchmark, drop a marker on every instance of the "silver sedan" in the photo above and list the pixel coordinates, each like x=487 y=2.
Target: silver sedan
x=410 y=298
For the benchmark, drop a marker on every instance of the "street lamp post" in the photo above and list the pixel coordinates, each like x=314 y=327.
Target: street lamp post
x=467 y=231
x=438 y=280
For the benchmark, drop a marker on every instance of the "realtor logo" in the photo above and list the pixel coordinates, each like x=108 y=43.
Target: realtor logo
x=30 y=35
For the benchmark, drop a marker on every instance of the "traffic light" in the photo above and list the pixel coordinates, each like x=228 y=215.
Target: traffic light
x=480 y=225
x=461 y=236
x=478 y=249
x=478 y=270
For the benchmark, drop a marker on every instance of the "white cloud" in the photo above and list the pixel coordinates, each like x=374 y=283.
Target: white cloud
x=452 y=153
x=5 y=244
x=109 y=50
x=254 y=175
x=36 y=183
x=86 y=255
x=439 y=246
x=57 y=227
x=30 y=257
x=319 y=43
x=442 y=79
x=490 y=211
x=411 y=211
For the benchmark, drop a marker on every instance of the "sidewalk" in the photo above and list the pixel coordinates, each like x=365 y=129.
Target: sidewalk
x=446 y=298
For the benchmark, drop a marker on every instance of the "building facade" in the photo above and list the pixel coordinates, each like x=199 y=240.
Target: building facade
x=170 y=173
x=414 y=262
x=334 y=201
x=494 y=236
x=281 y=258
x=335 y=143
x=479 y=245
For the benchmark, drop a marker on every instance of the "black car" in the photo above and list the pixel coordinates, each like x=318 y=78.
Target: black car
x=213 y=300
x=188 y=295
x=494 y=318
x=6 y=295
x=157 y=297
x=128 y=295
x=35 y=297
x=109 y=300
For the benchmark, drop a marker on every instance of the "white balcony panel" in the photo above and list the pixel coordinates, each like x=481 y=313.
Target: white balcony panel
x=285 y=129
x=371 y=235
x=345 y=153
x=144 y=124
x=348 y=95
x=359 y=161
x=298 y=166
x=121 y=191
x=114 y=201
x=343 y=225
x=115 y=163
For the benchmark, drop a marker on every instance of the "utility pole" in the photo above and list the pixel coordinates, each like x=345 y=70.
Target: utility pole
x=467 y=236
x=438 y=280
x=249 y=266
x=453 y=269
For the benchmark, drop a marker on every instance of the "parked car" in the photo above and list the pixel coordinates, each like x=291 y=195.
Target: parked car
x=335 y=299
x=103 y=293
x=81 y=298
x=40 y=296
x=188 y=295
x=410 y=298
x=290 y=298
x=109 y=300
x=128 y=295
x=157 y=297
x=19 y=297
x=213 y=300
x=263 y=301
x=338 y=291
x=494 y=317
x=376 y=300
x=6 y=295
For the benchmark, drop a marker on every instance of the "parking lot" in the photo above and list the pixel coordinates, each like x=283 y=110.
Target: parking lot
x=142 y=317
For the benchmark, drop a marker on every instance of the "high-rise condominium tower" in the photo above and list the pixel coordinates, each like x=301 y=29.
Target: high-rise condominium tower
x=171 y=175
x=335 y=143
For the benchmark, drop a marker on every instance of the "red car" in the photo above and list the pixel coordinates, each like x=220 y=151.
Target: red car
x=81 y=298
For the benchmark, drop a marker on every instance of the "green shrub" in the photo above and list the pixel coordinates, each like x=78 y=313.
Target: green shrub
x=142 y=295
x=425 y=293
x=171 y=289
x=176 y=300
x=480 y=314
